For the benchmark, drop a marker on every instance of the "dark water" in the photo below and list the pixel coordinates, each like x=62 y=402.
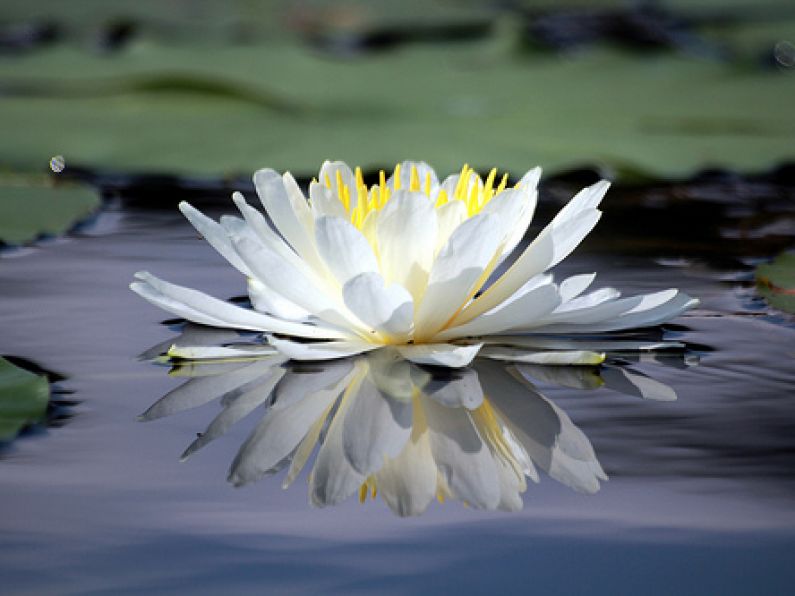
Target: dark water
x=700 y=492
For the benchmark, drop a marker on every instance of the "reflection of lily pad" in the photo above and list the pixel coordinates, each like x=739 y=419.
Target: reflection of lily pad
x=776 y=282
x=29 y=211
x=23 y=399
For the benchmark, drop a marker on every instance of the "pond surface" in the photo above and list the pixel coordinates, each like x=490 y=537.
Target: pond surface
x=700 y=492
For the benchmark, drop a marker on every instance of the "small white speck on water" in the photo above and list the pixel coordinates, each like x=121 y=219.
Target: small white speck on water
x=57 y=164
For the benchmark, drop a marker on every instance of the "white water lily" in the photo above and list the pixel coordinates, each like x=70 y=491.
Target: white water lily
x=408 y=262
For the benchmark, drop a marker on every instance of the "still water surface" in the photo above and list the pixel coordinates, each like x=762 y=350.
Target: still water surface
x=699 y=498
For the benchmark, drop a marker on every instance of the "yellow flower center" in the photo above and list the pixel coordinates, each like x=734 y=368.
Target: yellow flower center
x=361 y=201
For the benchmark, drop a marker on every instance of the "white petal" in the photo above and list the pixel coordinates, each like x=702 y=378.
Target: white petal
x=551 y=246
x=376 y=427
x=302 y=290
x=439 y=354
x=407 y=230
x=344 y=249
x=650 y=309
x=573 y=286
x=328 y=173
x=288 y=210
x=423 y=172
x=201 y=390
x=214 y=234
x=463 y=460
x=389 y=311
x=236 y=409
x=220 y=352
x=407 y=483
x=324 y=202
x=457 y=270
x=533 y=305
x=460 y=388
x=285 y=425
x=515 y=208
x=326 y=350
x=450 y=216
x=201 y=308
x=266 y=300
x=554 y=357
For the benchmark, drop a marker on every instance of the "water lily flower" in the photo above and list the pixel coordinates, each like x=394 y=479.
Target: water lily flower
x=423 y=265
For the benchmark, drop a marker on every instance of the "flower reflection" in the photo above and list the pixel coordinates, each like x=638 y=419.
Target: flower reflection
x=382 y=425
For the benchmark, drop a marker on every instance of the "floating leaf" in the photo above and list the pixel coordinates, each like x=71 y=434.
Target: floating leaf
x=30 y=211
x=23 y=399
x=776 y=282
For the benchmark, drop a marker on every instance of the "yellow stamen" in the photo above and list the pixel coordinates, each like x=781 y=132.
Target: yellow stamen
x=327 y=181
x=441 y=198
x=428 y=184
x=414 y=179
x=396 y=177
x=503 y=183
x=363 y=492
x=460 y=187
x=487 y=189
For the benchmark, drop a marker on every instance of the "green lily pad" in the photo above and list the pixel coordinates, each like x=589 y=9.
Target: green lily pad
x=28 y=211
x=207 y=108
x=23 y=399
x=776 y=282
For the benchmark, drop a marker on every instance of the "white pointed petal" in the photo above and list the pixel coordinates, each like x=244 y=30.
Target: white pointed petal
x=515 y=208
x=573 y=286
x=220 y=352
x=265 y=234
x=533 y=342
x=235 y=410
x=376 y=427
x=326 y=350
x=214 y=234
x=531 y=178
x=439 y=354
x=588 y=198
x=531 y=306
x=448 y=186
x=300 y=289
x=450 y=216
x=551 y=246
x=634 y=383
x=288 y=211
x=333 y=479
x=459 y=388
x=554 y=357
x=462 y=458
x=423 y=171
x=407 y=214
x=343 y=248
x=201 y=390
x=653 y=309
x=328 y=172
x=386 y=310
x=458 y=267
x=201 y=308
x=544 y=430
x=603 y=311
x=407 y=483
x=266 y=300
x=324 y=202
x=285 y=425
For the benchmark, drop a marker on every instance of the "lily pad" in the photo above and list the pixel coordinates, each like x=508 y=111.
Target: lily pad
x=23 y=399
x=30 y=211
x=776 y=282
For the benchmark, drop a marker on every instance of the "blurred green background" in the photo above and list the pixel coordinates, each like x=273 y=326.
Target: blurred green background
x=215 y=89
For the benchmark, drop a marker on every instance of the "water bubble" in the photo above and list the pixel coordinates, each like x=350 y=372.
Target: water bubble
x=57 y=164
x=784 y=52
